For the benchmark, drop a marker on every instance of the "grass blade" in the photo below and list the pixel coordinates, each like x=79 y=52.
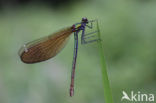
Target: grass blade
x=106 y=85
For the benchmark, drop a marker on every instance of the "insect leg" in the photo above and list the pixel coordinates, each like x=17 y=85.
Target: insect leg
x=91 y=21
x=89 y=37
x=90 y=26
x=91 y=41
x=90 y=33
x=82 y=36
x=86 y=36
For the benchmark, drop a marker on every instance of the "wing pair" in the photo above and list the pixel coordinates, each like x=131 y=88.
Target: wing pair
x=45 y=48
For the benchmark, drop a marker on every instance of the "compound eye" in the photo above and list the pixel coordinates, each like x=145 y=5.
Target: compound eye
x=85 y=20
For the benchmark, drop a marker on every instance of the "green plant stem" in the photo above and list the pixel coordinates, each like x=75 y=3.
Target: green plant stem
x=106 y=85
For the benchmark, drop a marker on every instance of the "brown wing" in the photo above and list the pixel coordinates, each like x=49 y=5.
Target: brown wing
x=44 y=48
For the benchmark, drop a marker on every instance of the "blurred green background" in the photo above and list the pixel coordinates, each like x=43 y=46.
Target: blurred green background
x=128 y=29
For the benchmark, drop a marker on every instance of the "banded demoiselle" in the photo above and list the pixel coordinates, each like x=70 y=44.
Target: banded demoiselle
x=47 y=47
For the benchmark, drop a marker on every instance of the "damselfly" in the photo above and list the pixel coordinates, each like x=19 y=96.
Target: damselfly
x=47 y=47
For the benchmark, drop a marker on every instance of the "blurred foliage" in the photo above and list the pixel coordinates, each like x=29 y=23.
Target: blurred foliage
x=128 y=29
x=55 y=4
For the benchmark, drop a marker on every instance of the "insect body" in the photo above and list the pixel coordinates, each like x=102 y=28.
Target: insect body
x=48 y=47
